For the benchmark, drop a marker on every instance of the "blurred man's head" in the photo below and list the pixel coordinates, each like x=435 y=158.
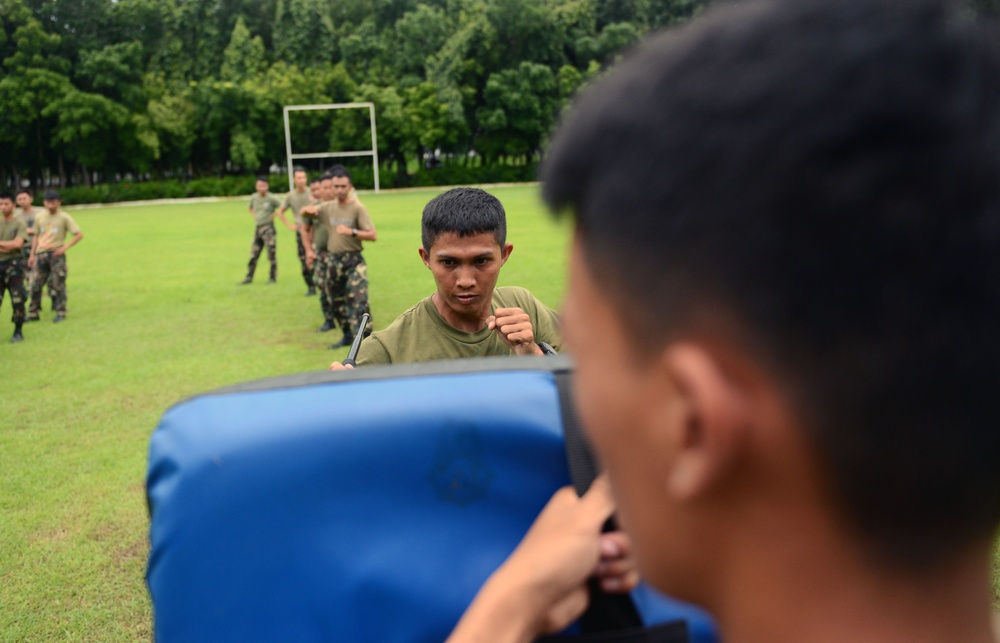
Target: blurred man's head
x=326 y=192
x=52 y=201
x=300 y=179
x=6 y=205
x=799 y=204
x=24 y=199
x=340 y=183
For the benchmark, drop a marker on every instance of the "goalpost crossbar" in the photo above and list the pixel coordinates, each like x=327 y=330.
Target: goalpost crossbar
x=373 y=152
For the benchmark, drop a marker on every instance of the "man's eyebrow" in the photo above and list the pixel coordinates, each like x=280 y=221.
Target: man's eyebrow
x=444 y=255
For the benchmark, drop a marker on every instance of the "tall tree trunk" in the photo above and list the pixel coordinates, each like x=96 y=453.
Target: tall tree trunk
x=62 y=172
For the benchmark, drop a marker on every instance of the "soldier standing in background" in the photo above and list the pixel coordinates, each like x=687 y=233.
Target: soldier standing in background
x=27 y=212
x=348 y=224
x=295 y=200
x=48 y=256
x=316 y=255
x=262 y=208
x=13 y=236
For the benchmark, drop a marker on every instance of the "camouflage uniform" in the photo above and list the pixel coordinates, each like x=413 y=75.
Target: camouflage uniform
x=13 y=267
x=12 y=280
x=307 y=274
x=49 y=269
x=263 y=206
x=295 y=200
x=348 y=284
x=263 y=236
x=321 y=277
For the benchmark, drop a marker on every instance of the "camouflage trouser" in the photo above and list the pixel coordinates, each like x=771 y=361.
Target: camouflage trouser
x=321 y=277
x=12 y=280
x=307 y=273
x=49 y=270
x=348 y=284
x=263 y=236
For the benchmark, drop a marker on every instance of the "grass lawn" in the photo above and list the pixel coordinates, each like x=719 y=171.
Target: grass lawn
x=155 y=315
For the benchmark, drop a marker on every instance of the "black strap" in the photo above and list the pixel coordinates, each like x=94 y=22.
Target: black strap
x=609 y=617
x=672 y=632
x=582 y=464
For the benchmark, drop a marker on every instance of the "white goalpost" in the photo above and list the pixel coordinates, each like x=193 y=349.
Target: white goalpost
x=373 y=152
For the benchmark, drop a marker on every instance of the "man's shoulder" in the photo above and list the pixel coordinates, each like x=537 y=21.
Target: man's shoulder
x=15 y=223
x=393 y=340
x=415 y=315
x=508 y=296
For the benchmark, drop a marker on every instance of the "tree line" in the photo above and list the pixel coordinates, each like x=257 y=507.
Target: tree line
x=102 y=89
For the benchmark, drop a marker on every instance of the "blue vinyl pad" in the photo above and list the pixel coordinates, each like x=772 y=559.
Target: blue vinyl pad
x=366 y=506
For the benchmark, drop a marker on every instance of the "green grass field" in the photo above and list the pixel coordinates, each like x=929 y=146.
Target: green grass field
x=155 y=315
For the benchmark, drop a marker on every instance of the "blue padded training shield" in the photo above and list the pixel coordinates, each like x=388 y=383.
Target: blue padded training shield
x=360 y=506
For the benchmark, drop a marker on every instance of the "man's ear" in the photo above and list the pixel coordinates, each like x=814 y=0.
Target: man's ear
x=505 y=252
x=425 y=256
x=709 y=418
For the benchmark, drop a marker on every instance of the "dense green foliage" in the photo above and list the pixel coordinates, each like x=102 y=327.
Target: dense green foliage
x=109 y=90
x=131 y=90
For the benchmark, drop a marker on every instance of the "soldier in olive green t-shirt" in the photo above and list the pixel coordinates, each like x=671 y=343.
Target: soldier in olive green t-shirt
x=348 y=224
x=441 y=340
x=48 y=256
x=464 y=246
x=263 y=205
x=315 y=234
x=298 y=198
x=13 y=236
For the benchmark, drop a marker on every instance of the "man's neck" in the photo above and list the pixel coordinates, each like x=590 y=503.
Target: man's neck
x=826 y=596
x=8 y=217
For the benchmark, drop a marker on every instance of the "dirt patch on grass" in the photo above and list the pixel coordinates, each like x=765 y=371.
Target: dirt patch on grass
x=59 y=535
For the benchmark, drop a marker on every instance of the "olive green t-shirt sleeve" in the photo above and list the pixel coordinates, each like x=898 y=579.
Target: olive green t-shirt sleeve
x=9 y=231
x=547 y=326
x=71 y=226
x=364 y=220
x=372 y=352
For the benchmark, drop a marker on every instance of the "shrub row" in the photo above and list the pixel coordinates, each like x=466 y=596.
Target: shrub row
x=152 y=190
x=450 y=173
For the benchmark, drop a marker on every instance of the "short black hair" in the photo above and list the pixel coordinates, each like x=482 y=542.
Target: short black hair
x=264 y=179
x=6 y=195
x=52 y=195
x=464 y=211
x=339 y=171
x=298 y=168
x=825 y=177
x=24 y=191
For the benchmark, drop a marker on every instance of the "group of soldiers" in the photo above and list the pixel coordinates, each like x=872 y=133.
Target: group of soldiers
x=330 y=223
x=33 y=245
